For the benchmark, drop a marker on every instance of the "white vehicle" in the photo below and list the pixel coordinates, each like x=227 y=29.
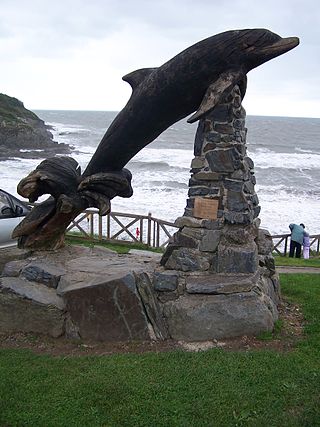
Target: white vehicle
x=12 y=211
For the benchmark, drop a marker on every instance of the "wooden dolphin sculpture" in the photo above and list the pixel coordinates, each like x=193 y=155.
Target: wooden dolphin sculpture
x=194 y=80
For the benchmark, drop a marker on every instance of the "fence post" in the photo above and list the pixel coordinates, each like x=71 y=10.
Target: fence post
x=149 y=230
x=108 y=225
x=158 y=235
x=285 y=246
x=141 y=230
x=91 y=224
x=100 y=227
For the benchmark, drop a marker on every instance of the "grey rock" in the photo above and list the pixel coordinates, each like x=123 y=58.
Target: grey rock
x=71 y=330
x=143 y=253
x=151 y=306
x=238 y=235
x=12 y=254
x=264 y=242
x=249 y=187
x=210 y=241
x=225 y=160
x=45 y=273
x=30 y=307
x=207 y=317
x=207 y=176
x=208 y=146
x=14 y=268
x=249 y=162
x=185 y=259
x=203 y=191
x=256 y=211
x=109 y=310
x=184 y=221
x=197 y=162
x=221 y=113
x=233 y=185
x=32 y=291
x=166 y=281
x=267 y=262
x=240 y=174
x=237 y=101
x=190 y=203
x=270 y=287
x=195 y=233
x=180 y=239
x=237 y=259
x=214 y=137
x=239 y=217
x=238 y=124
x=236 y=201
x=216 y=284
x=224 y=128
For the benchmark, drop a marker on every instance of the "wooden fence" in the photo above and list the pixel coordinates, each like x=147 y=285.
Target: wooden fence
x=123 y=227
x=282 y=244
x=153 y=232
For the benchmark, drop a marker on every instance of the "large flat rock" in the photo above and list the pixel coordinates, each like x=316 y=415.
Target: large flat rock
x=207 y=317
x=10 y=254
x=220 y=283
x=96 y=295
x=109 y=310
x=30 y=307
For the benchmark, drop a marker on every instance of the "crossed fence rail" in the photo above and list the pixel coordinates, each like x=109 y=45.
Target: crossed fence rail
x=119 y=226
x=153 y=232
x=281 y=244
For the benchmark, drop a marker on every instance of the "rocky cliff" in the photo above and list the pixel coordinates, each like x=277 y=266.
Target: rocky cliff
x=24 y=134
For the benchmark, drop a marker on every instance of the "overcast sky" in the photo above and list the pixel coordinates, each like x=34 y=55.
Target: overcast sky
x=72 y=54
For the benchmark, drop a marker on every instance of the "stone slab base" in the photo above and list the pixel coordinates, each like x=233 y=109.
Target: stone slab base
x=99 y=295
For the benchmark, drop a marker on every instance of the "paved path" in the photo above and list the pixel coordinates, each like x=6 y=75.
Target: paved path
x=298 y=270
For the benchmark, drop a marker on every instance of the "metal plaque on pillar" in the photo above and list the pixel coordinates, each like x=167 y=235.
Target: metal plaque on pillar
x=205 y=208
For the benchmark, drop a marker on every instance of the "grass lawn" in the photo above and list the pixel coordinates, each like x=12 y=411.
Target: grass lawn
x=121 y=248
x=297 y=262
x=212 y=388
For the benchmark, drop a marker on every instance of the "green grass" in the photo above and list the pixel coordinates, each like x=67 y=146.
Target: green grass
x=121 y=248
x=297 y=262
x=213 y=388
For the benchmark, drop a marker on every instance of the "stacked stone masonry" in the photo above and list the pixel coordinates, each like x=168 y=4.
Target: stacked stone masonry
x=216 y=279
x=228 y=285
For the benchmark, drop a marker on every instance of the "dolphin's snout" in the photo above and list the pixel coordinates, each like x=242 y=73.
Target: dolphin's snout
x=290 y=42
x=281 y=46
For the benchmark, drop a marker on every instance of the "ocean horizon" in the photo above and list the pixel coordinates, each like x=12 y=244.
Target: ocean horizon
x=285 y=152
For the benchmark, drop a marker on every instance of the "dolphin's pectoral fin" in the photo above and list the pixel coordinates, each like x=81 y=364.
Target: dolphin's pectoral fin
x=216 y=91
x=243 y=85
x=136 y=77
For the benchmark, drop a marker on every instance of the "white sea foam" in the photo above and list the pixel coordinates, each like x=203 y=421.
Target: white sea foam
x=265 y=158
x=288 y=178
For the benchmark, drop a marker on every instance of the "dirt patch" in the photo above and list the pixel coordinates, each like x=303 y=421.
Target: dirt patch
x=284 y=338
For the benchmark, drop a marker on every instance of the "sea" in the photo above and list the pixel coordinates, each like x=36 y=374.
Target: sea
x=285 y=152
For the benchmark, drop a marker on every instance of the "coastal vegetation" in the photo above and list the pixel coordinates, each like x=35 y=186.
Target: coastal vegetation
x=23 y=133
x=176 y=388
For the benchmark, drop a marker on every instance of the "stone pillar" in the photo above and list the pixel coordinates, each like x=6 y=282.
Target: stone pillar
x=222 y=260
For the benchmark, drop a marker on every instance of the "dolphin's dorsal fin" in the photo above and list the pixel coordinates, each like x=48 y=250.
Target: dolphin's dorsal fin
x=136 y=77
x=216 y=91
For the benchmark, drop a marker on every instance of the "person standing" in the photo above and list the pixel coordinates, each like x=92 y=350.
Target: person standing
x=306 y=245
x=297 y=232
